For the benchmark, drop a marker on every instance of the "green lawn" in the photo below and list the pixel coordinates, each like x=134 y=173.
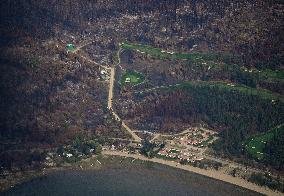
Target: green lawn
x=163 y=54
x=255 y=146
x=131 y=77
x=267 y=73
x=262 y=93
x=214 y=60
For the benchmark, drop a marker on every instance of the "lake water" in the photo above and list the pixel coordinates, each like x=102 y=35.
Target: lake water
x=158 y=180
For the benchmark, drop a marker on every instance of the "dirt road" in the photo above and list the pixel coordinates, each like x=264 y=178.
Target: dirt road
x=109 y=104
x=82 y=46
x=110 y=91
x=111 y=86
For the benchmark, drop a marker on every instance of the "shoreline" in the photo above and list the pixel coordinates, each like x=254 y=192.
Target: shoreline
x=217 y=175
x=213 y=174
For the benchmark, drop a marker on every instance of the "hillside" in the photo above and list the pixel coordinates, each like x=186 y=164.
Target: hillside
x=223 y=60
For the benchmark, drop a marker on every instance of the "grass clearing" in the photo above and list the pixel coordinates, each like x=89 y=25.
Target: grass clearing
x=131 y=77
x=262 y=93
x=216 y=61
x=255 y=145
x=163 y=54
x=267 y=73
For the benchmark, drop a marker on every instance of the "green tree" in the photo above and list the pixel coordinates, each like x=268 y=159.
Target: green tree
x=98 y=149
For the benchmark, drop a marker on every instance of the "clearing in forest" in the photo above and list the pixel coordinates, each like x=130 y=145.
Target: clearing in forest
x=255 y=146
x=131 y=77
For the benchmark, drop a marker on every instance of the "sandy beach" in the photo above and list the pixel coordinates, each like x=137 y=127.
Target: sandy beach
x=209 y=173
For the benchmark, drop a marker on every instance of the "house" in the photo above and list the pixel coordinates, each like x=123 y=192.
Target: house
x=127 y=80
x=69 y=155
x=103 y=72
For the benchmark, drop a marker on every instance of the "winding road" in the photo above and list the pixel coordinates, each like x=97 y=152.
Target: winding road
x=110 y=97
x=137 y=139
x=111 y=87
x=210 y=173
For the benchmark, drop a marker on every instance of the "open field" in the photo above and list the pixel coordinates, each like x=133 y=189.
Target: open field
x=255 y=146
x=262 y=93
x=213 y=60
x=131 y=77
x=272 y=74
x=160 y=53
